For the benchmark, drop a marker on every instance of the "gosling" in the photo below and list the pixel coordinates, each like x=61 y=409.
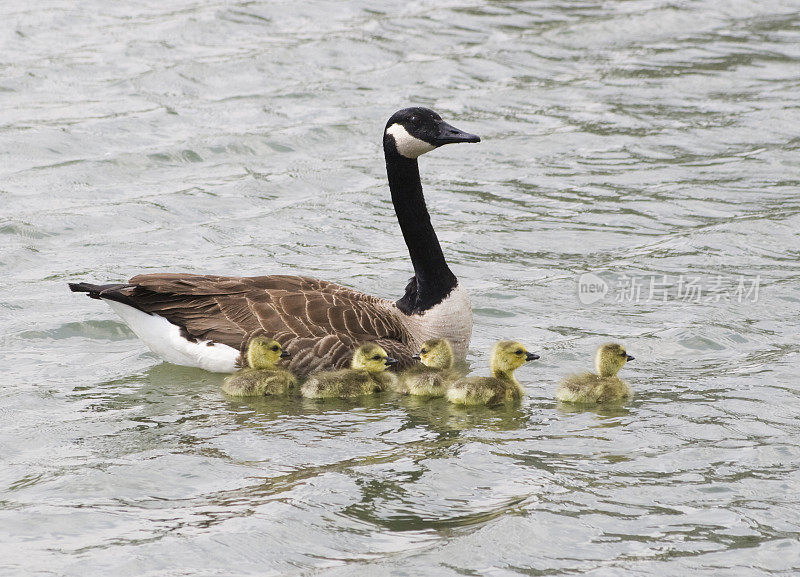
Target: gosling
x=366 y=375
x=591 y=388
x=435 y=371
x=501 y=387
x=261 y=377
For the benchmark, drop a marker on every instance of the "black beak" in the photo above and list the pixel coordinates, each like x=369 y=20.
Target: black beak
x=531 y=356
x=450 y=134
x=416 y=357
x=285 y=354
x=390 y=361
x=630 y=358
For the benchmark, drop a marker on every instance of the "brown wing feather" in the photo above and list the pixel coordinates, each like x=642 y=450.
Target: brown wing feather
x=320 y=323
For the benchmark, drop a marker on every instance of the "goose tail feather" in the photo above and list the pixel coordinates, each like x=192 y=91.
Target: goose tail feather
x=112 y=292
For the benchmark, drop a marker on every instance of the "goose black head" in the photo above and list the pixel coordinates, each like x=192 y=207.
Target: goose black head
x=414 y=131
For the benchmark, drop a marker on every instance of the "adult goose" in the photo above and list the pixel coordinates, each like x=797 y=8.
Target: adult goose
x=204 y=320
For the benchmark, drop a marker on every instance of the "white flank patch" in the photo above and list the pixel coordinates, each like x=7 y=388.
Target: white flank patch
x=407 y=145
x=165 y=340
x=450 y=319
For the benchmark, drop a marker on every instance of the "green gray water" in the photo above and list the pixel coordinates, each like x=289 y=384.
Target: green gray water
x=634 y=140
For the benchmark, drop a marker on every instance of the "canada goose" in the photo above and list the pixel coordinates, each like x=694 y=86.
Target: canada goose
x=590 y=388
x=202 y=320
x=366 y=375
x=501 y=387
x=435 y=371
x=260 y=377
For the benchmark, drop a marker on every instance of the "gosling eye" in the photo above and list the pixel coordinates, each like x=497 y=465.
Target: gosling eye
x=423 y=351
x=275 y=347
x=376 y=358
x=518 y=352
x=624 y=354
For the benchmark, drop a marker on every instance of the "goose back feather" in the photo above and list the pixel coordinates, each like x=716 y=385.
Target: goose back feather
x=319 y=322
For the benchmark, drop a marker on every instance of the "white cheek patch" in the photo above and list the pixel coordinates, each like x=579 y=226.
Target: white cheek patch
x=406 y=144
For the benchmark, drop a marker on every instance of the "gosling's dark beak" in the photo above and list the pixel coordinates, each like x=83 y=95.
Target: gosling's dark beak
x=285 y=354
x=630 y=358
x=416 y=357
x=531 y=356
x=390 y=361
x=450 y=134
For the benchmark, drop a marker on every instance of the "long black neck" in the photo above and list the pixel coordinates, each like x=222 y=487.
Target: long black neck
x=433 y=280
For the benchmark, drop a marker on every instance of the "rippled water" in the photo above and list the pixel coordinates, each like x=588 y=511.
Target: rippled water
x=646 y=142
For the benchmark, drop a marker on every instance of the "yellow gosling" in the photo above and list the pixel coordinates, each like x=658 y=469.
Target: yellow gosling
x=366 y=375
x=433 y=374
x=261 y=376
x=591 y=388
x=501 y=387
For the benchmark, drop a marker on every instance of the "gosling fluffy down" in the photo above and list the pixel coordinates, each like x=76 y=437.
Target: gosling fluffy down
x=433 y=374
x=261 y=377
x=605 y=385
x=366 y=375
x=502 y=386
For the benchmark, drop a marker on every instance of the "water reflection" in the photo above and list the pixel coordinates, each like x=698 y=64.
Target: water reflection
x=605 y=411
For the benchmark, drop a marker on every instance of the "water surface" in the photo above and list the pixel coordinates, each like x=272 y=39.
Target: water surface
x=640 y=141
